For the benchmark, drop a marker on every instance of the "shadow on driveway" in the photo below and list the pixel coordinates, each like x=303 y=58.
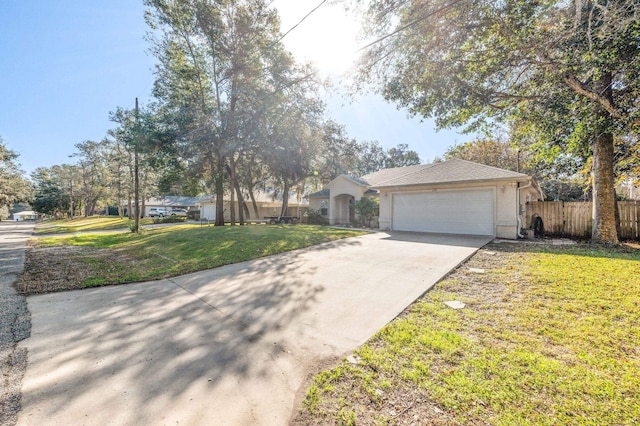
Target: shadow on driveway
x=231 y=345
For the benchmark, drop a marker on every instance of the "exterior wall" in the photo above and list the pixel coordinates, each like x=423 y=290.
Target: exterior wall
x=208 y=210
x=21 y=216
x=506 y=208
x=384 y=220
x=342 y=189
x=316 y=204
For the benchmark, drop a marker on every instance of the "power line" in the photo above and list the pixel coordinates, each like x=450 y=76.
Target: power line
x=410 y=24
x=301 y=21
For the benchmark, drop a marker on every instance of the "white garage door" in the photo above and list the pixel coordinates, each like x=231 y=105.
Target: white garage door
x=449 y=212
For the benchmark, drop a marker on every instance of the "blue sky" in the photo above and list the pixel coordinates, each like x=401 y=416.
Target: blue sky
x=64 y=65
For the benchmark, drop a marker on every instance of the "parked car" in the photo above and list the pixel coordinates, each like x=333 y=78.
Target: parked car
x=179 y=212
x=158 y=212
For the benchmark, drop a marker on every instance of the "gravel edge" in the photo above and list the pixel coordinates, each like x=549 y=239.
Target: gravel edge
x=15 y=326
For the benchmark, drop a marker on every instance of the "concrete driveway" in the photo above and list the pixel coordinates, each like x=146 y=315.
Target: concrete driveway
x=230 y=346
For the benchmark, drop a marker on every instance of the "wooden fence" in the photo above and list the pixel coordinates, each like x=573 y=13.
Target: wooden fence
x=573 y=219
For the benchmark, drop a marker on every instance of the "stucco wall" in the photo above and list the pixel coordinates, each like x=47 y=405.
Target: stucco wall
x=315 y=204
x=208 y=211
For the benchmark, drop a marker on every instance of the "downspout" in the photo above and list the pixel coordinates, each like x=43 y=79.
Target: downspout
x=518 y=221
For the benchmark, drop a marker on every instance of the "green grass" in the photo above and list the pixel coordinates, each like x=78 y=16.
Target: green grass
x=94 y=223
x=169 y=251
x=551 y=337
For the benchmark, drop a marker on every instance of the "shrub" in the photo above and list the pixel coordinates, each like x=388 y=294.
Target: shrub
x=367 y=208
x=315 y=218
x=170 y=219
x=193 y=214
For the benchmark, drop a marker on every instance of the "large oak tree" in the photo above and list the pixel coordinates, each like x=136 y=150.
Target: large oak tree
x=218 y=62
x=563 y=73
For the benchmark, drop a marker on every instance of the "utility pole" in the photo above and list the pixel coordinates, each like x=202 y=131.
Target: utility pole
x=136 y=187
x=71 y=194
x=71 y=188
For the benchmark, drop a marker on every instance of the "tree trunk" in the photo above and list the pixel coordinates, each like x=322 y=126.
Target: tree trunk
x=236 y=186
x=254 y=203
x=219 y=188
x=604 y=194
x=285 y=198
x=232 y=206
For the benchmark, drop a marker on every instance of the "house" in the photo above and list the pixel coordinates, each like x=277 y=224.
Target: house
x=172 y=202
x=25 y=215
x=454 y=196
x=269 y=203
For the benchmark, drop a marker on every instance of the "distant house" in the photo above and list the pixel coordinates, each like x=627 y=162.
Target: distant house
x=25 y=215
x=454 y=196
x=269 y=204
x=173 y=202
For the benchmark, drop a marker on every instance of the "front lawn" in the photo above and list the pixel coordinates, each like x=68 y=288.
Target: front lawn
x=549 y=336
x=86 y=260
x=82 y=224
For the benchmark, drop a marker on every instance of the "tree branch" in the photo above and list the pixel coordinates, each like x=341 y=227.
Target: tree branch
x=578 y=87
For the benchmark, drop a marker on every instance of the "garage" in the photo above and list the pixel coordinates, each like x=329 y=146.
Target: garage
x=449 y=197
x=465 y=211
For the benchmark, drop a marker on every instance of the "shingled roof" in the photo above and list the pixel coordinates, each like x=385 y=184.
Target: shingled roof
x=450 y=171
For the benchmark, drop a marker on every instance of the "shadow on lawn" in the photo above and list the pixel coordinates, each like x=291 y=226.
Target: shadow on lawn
x=626 y=251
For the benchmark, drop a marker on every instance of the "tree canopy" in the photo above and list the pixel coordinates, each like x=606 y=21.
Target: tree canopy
x=561 y=74
x=14 y=187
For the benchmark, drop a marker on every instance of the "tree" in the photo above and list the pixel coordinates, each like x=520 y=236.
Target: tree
x=563 y=73
x=52 y=191
x=148 y=133
x=372 y=157
x=338 y=155
x=486 y=151
x=13 y=186
x=401 y=156
x=93 y=173
x=217 y=62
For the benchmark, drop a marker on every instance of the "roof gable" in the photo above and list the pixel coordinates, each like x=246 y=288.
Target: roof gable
x=450 y=171
x=351 y=179
x=381 y=176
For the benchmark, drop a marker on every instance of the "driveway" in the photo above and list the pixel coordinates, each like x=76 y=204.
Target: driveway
x=231 y=346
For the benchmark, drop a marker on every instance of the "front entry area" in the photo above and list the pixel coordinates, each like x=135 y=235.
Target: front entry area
x=343 y=209
x=468 y=211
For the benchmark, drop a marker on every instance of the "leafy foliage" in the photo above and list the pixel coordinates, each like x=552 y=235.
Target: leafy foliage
x=486 y=151
x=367 y=208
x=13 y=186
x=563 y=75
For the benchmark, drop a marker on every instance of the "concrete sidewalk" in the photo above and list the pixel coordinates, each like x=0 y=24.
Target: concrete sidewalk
x=229 y=346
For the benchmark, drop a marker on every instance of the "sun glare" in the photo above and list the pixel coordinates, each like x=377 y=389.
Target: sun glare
x=328 y=37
